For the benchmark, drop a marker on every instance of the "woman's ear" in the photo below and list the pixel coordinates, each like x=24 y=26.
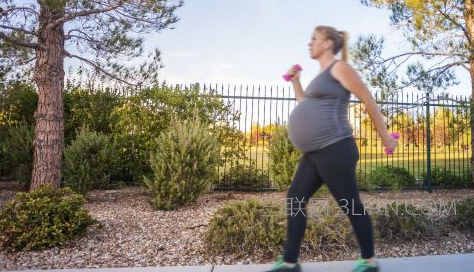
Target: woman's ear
x=328 y=43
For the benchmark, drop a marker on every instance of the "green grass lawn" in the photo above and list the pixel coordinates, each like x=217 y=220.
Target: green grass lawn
x=370 y=158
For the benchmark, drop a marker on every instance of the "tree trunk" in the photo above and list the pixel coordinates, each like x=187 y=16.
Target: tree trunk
x=469 y=17
x=49 y=78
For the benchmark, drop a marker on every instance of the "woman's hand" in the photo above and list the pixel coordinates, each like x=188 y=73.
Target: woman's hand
x=294 y=73
x=389 y=142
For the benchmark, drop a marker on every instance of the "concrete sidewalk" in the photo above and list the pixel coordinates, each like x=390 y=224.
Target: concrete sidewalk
x=435 y=263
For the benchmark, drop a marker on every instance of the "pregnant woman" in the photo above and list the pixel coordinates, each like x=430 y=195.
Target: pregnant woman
x=319 y=127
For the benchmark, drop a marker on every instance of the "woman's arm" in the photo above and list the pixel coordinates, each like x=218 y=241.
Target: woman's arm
x=298 y=89
x=350 y=80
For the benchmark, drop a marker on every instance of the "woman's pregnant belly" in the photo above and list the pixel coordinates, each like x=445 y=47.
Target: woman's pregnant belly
x=314 y=124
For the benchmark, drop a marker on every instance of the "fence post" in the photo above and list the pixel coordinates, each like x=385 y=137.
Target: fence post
x=428 y=144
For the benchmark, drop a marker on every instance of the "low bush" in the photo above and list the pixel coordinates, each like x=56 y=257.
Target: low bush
x=43 y=218
x=398 y=222
x=464 y=217
x=89 y=162
x=444 y=177
x=250 y=227
x=17 y=152
x=283 y=158
x=391 y=177
x=244 y=176
x=184 y=164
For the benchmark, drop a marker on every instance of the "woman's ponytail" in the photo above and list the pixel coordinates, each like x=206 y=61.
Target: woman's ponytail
x=345 y=46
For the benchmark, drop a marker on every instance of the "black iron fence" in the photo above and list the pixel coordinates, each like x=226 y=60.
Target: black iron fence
x=443 y=161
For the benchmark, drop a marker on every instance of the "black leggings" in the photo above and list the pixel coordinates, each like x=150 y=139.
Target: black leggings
x=334 y=165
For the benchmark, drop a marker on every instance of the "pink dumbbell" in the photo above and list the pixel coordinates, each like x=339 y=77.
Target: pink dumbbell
x=296 y=67
x=395 y=136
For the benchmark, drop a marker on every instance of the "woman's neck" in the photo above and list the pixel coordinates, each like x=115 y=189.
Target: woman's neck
x=325 y=61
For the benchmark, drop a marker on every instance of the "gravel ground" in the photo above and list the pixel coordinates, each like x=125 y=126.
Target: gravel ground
x=135 y=235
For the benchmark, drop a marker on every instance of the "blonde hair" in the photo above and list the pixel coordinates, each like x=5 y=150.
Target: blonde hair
x=340 y=40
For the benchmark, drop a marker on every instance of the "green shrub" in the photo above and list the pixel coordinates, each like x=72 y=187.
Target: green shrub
x=136 y=125
x=4 y=165
x=235 y=147
x=17 y=152
x=250 y=227
x=19 y=104
x=184 y=164
x=410 y=223
x=362 y=182
x=283 y=157
x=390 y=176
x=330 y=233
x=466 y=178
x=143 y=116
x=97 y=110
x=464 y=217
x=88 y=108
x=243 y=228
x=89 y=161
x=244 y=176
x=43 y=218
x=444 y=177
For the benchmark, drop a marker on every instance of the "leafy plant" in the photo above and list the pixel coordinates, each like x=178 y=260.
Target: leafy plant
x=391 y=176
x=43 y=218
x=184 y=163
x=89 y=161
x=283 y=157
x=17 y=152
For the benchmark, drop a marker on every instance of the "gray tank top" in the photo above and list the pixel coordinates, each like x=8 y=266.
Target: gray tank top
x=320 y=119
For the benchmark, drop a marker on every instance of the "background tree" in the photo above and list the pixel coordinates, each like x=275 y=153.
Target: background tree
x=441 y=34
x=404 y=124
x=257 y=133
x=48 y=31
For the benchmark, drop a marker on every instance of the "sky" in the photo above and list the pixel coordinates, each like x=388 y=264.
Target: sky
x=256 y=41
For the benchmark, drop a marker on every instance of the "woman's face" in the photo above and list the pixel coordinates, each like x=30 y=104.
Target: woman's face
x=318 y=44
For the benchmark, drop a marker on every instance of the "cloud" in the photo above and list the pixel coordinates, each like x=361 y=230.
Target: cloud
x=184 y=54
x=222 y=65
x=267 y=8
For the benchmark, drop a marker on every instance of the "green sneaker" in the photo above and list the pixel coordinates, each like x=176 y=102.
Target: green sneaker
x=280 y=266
x=362 y=266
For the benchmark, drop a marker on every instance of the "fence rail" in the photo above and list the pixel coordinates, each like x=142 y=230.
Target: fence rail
x=441 y=162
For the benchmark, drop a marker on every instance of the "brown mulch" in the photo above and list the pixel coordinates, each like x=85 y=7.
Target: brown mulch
x=135 y=235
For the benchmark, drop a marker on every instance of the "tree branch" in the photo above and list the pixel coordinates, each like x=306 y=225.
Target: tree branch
x=26 y=61
x=19 y=29
x=72 y=16
x=443 y=68
x=17 y=41
x=98 y=68
x=87 y=37
x=96 y=44
x=135 y=18
x=5 y=12
x=394 y=70
x=465 y=67
x=456 y=24
x=425 y=53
